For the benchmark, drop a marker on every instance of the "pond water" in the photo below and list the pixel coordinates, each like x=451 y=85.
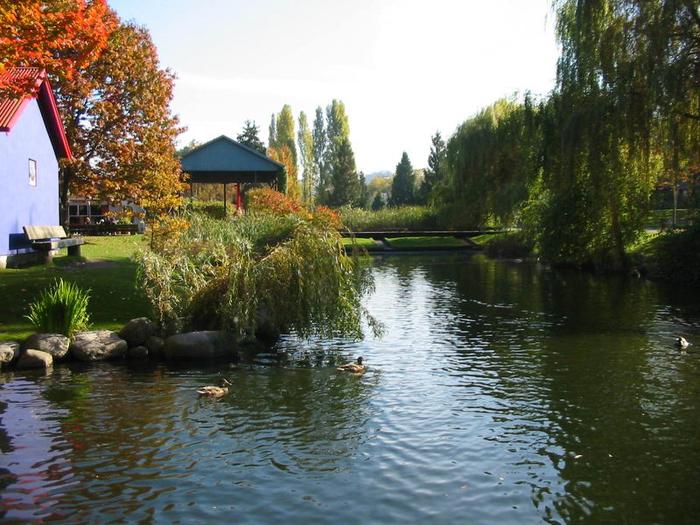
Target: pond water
x=502 y=392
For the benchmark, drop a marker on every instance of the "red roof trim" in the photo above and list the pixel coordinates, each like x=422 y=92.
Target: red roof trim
x=15 y=115
x=47 y=106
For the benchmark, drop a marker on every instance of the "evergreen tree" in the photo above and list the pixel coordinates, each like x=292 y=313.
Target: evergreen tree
x=434 y=173
x=320 y=140
x=378 y=202
x=306 y=154
x=346 y=188
x=272 y=133
x=249 y=137
x=403 y=185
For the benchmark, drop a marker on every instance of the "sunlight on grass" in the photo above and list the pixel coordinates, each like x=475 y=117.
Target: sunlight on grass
x=106 y=269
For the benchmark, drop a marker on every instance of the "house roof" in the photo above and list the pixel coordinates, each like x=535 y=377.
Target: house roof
x=224 y=160
x=11 y=107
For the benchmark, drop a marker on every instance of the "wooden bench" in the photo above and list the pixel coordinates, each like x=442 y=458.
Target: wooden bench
x=48 y=239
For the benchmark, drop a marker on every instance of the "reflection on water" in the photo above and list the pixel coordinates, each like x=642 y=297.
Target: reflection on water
x=501 y=392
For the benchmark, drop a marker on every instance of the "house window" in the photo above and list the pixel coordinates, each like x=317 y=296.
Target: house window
x=32 y=172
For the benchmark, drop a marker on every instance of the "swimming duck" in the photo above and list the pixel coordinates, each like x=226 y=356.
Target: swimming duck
x=682 y=343
x=215 y=391
x=354 y=368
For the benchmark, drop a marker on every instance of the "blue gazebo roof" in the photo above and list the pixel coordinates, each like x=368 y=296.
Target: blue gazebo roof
x=223 y=160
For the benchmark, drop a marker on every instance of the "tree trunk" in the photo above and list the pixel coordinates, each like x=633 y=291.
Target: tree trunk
x=65 y=178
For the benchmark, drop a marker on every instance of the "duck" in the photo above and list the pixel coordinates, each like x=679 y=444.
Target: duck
x=215 y=391
x=353 y=368
x=682 y=343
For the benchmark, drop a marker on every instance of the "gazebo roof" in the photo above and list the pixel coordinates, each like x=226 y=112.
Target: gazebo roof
x=223 y=160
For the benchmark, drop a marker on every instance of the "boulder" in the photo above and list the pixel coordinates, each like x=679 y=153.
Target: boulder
x=98 y=346
x=9 y=351
x=34 y=359
x=200 y=345
x=138 y=352
x=155 y=345
x=137 y=331
x=55 y=344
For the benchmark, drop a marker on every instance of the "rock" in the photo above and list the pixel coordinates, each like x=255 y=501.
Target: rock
x=137 y=331
x=98 y=346
x=200 y=345
x=155 y=345
x=138 y=352
x=34 y=359
x=9 y=351
x=55 y=344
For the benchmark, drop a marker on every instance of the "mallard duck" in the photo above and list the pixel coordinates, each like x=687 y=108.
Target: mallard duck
x=215 y=391
x=354 y=368
x=682 y=343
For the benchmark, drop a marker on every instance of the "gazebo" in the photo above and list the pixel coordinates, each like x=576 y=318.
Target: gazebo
x=225 y=161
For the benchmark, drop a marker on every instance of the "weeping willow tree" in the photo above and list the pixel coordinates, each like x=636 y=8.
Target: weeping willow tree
x=624 y=115
x=258 y=276
x=491 y=161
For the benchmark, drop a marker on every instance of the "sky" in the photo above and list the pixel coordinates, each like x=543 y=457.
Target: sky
x=404 y=68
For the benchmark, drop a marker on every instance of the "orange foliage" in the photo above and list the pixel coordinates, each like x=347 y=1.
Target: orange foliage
x=327 y=217
x=61 y=36
x=270 y=201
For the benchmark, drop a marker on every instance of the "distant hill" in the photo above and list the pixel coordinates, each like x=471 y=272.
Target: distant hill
x=383 y=174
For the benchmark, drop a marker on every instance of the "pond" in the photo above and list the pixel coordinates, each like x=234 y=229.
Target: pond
x=502 y=392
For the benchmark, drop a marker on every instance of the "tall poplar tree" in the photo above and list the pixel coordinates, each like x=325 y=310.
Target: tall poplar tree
x=306 y=155
x=285 y=135
x=320 y=140
x=272 y=133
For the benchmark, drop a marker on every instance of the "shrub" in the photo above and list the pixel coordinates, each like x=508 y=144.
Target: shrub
x=268 y=200
x=508 y=246
x=675 y=256
x=61 y=309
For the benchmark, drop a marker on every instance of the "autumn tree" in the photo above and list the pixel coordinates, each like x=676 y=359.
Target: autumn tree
x=62 y=36
x=287 y=183
x=112 y=95
x=249 y=137
x=119 y=124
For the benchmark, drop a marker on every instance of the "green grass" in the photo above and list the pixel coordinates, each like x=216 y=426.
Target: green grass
x=425 y=242
x=106 y=269
x=367 y=244
x=484 y=238
x=657 y=217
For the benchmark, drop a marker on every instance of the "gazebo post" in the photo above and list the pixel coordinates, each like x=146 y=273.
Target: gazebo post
x=238 y=196
x=224 y=199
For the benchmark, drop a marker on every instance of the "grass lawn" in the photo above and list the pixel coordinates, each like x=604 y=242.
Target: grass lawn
x=484 y=238
x=367 y=244
x=106 y=270
x=425 y=242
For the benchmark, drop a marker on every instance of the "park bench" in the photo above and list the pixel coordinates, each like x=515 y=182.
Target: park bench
x=48 y=239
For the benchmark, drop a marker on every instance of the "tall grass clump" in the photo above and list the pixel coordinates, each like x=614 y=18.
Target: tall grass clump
x=268 y=272
x=61 y=309
x=403 y=218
